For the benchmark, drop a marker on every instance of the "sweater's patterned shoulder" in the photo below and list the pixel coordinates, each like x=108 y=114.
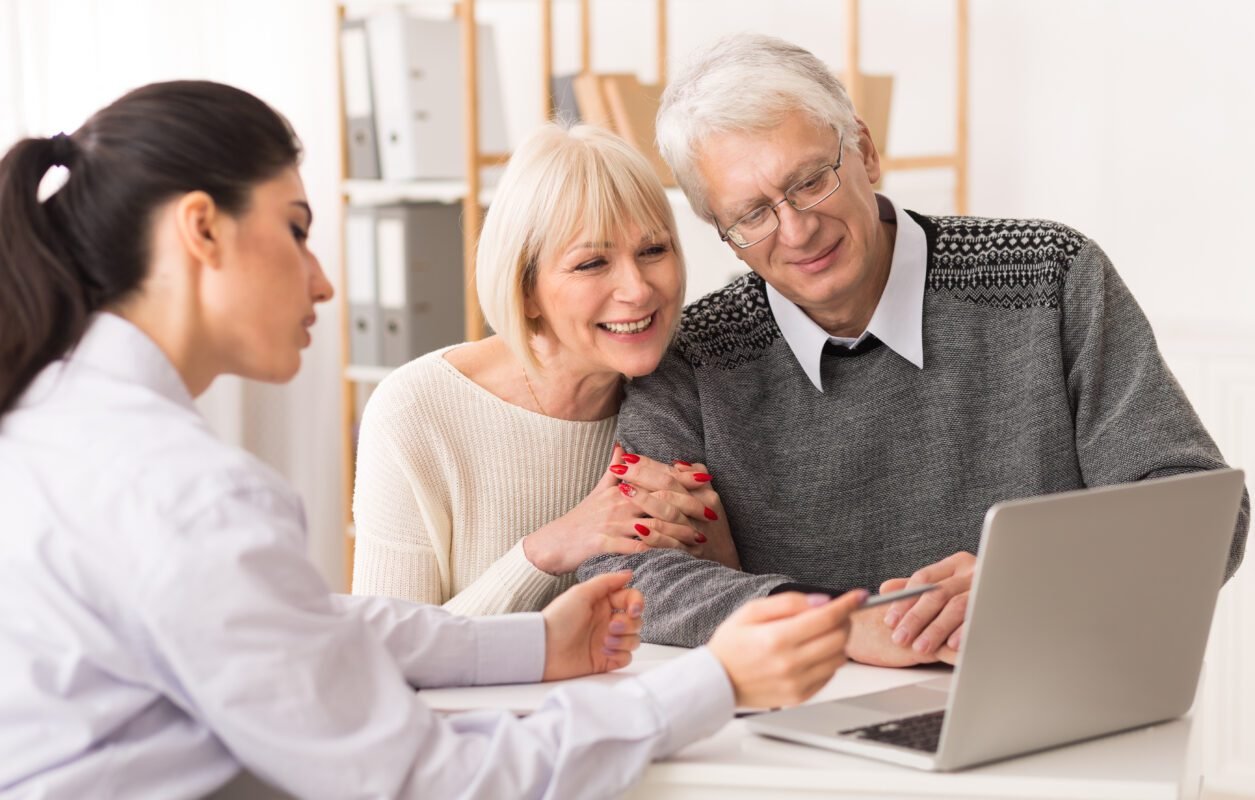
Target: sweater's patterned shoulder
x=1011 y=263
x=728 y=327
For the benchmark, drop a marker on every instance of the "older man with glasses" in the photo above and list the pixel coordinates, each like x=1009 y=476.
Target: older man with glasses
x=881 y=377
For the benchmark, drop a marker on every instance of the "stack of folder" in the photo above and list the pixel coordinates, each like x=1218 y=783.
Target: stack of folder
x=404 y=99
x=404 y=107
x=405 y=285
x=618 y=102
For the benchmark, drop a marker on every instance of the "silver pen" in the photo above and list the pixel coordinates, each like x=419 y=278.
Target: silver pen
x=892 y=597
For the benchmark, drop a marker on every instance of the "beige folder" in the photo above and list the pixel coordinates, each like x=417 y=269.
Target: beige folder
x=633 y=107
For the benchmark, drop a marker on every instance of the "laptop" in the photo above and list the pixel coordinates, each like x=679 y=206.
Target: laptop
x=1089 y=614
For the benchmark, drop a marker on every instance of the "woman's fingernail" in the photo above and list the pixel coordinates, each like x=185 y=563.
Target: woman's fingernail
x=710 y=514
x=954 y=642
x=681 y=463
x=892 y=618
x=817 y=599
x=628 y=489
x=701 y=538
x=701 y=477
x=618 y=626
x=618 y=469
x=631 y=458
x=921 y=644
x=607 y=651
x=635 y=610
x=899 y=636
x=642 y=530
x=613 y=641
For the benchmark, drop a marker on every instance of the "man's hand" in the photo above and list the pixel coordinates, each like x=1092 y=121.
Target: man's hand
x=871 y=643
x=592 y=627
x=935 y=619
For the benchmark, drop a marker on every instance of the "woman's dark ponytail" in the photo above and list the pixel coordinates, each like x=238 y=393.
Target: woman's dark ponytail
x=87 y=246
x=44 y=303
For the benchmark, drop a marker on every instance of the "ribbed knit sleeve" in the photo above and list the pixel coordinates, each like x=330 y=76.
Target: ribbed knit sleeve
x=450 y=478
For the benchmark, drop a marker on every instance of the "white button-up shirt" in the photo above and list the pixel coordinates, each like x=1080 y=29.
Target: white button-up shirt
x=898 y=320
x=161 y=628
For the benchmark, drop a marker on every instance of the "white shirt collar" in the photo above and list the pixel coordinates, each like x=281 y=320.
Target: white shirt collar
x=116 y=347
x=898 y=320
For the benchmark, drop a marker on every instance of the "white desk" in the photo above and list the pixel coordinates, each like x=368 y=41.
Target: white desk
x=1146 y=764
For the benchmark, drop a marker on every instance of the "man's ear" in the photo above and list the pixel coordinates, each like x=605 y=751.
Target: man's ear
x=198 y=221
x=868 y=153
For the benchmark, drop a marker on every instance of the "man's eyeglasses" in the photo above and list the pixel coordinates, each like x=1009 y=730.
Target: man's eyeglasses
x=807 y=193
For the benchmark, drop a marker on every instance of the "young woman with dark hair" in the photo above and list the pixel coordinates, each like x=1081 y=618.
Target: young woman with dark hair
x=161 y=630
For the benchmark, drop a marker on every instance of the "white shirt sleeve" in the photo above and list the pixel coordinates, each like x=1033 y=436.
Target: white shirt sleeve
x=435 y=648
x=309 y=690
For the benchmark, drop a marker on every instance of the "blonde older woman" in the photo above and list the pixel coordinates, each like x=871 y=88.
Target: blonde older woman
x=487 y=471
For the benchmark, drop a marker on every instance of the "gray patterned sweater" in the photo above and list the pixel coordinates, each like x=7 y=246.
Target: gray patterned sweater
x=1040 y=375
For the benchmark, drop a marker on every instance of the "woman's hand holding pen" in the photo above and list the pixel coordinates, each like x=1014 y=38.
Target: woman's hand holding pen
x=780 y=650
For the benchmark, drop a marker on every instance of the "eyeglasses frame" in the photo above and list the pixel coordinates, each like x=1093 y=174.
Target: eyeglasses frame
x=723 y=234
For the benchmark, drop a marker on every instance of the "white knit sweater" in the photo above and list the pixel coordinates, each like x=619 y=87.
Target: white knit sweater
x=450 y=478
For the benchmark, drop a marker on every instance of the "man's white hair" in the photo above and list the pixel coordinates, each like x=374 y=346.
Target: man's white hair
x=744 y=83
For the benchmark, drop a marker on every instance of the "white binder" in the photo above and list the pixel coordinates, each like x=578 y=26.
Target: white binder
x=419 y=249
x=359 y=109
x=416 y=69
x=365 y=342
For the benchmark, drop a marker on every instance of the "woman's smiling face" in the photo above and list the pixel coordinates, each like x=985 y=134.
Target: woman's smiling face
x=609 y=306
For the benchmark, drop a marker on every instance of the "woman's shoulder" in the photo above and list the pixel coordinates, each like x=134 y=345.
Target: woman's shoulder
x=426 y=384
x=428 y=370
x=432 y=389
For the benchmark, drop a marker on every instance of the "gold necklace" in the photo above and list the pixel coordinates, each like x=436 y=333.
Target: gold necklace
x=532 y=392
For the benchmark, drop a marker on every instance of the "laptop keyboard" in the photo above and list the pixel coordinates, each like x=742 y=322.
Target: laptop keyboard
x=921 y=732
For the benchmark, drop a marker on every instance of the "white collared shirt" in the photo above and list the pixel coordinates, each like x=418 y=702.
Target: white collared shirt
x=161 y=628
x=898 y=321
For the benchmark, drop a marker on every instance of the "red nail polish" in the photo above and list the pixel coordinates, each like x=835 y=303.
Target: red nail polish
x=631 y=458
x=710 y=514
x=701 y=477
x=618 y=469
x=701 y=539
x=642 y=530
x=681 y=463
x=628 y=489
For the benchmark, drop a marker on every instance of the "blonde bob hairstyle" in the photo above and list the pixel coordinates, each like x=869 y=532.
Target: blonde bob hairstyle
x=562 y=182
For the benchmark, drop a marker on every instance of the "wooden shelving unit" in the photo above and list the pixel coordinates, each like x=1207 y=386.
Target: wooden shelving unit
x=474 y=195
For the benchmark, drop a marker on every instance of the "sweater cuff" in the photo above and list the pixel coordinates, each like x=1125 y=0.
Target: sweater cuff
x=806 y=588
x=693 y=697
x=531 y=586
x=509 y=649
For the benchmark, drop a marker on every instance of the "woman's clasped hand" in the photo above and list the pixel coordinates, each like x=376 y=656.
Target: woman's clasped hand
x=638 y=504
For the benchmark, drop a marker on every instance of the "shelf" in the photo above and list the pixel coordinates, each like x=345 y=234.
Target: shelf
x=483 y=169
x=358 y=373
x=889 y=163
x=379 y=193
